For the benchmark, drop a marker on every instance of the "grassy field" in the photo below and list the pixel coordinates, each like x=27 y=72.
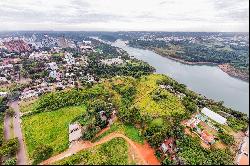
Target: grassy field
x=168 y=106
x=49 y=128
x=114 y=152
x=128 y=130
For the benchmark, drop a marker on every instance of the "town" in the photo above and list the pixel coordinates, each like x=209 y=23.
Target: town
x=65 y=95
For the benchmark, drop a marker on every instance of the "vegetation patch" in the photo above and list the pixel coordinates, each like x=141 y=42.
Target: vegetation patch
x=49 y=128
x=150 y=101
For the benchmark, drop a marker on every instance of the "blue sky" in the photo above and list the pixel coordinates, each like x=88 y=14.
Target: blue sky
x=113 y=15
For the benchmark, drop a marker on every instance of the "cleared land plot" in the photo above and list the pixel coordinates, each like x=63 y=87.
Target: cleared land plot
x=49 y=128
x=114 y=152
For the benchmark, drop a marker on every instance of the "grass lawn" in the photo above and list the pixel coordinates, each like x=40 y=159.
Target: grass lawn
x=168 y=106
x=49 y=128
x=128 y=130
x=114 y=152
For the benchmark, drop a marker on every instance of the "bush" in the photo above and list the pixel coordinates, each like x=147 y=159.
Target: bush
x=10 y=147
x=10 y=112
x=11 y=161
x=42 y=152
x=226 y=138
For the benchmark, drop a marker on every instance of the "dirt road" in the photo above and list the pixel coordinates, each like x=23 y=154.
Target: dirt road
x=146 y=156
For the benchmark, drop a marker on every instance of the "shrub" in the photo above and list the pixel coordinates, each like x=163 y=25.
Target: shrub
x=42 y=152
x=11 y=161
x=10 y=147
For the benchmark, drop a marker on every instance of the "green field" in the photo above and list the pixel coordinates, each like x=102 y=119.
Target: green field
x=114 y=152
x=166 y=107
x=128 y=130
x=49 y=128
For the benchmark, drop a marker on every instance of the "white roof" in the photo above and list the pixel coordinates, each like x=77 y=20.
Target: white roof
x=214 y=116
x=3 y=94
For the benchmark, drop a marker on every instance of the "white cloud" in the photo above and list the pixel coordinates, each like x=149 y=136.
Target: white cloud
x=164 y=15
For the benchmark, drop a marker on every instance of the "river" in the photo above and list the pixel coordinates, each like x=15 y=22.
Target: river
x=209 y=81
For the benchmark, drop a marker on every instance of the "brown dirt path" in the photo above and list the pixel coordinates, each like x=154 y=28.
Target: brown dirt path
x=144 y=152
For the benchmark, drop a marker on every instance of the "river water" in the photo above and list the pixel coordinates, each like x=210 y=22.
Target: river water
x=209 y=81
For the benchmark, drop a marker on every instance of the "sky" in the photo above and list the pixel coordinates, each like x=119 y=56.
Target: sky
x=125 y=15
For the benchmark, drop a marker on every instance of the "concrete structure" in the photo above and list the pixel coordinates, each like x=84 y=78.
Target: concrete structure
x=75 y=132
x=214 y=116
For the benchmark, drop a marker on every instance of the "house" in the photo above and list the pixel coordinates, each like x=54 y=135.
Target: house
x=193 y=122
x=168 y=146
x=206 y=137
x=3 y=80
x=3 y=94
x=103 y=115
x=75 y=132
x=214 y=116
x=53 y=66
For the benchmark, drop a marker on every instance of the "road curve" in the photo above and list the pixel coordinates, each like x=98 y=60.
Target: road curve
x=87 y=144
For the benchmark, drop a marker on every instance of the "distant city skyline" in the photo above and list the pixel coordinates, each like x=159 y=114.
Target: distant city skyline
x=125 y=15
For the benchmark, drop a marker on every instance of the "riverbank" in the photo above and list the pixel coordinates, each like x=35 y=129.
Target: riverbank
x=230 y=70
x=227 y=68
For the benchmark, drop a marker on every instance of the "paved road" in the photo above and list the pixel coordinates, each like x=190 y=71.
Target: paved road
x=21 y=154
x=7 y=132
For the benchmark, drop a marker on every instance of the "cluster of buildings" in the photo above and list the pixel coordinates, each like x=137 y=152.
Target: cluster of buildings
x=52 y=60
x=17 y=46
x=236 y=40
x=201 y=121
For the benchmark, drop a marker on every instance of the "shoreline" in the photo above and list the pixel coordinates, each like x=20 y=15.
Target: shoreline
x=225 y=67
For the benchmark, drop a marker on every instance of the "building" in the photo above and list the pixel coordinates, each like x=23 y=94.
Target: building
x=53 y=66
x=168 y=146
x=75 y=132
x=113 y=61
x=3 y=94
x=207 y=138
x=3 y=80
x=214 y=116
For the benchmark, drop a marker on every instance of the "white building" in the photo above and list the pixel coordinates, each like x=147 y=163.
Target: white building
x=3 y=79
x=53 y=74
x=53 y=66
x=3 y=94
x=113 y=61
x=75 y=132
x=214 y=116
